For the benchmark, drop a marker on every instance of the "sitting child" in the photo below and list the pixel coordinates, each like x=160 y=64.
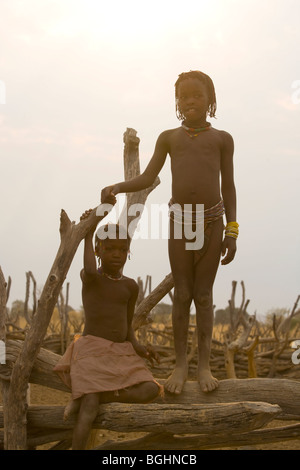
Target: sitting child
x=105 y=363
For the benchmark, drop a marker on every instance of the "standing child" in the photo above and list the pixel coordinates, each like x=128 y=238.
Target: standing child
x=199 y=155
x=104 y=364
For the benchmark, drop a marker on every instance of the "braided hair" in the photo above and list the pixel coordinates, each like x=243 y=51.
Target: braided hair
x=115 y=230
x=207 y=81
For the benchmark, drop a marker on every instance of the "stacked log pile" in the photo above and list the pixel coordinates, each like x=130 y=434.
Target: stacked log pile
x=243 y=348
x=192 y=420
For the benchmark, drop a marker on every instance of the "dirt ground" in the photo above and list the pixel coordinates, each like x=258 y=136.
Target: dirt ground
x=43 y=396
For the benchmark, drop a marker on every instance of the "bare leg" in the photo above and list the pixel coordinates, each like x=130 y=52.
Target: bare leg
x=204 y=315
x=88 y=411
x=181 y=262
x=140 y=393
x=144 y=392
x=205 y=272
x=72 y=408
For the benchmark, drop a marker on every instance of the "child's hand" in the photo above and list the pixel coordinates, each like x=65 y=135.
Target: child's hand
x=85 y=215
x=108 y=195
x=228 y=249
x=148 y=352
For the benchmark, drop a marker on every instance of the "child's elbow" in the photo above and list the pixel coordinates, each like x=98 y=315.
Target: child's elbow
x=148 y=180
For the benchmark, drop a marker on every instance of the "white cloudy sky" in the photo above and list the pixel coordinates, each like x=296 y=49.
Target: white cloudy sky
x=74 y=74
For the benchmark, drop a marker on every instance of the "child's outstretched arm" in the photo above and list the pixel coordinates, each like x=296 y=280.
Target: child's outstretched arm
x=144 y=180
x=228 y=194
x=89 y=260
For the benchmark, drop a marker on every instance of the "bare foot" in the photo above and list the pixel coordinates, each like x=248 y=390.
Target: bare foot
x=71 y=408
x=175 y=382
x=207 y=382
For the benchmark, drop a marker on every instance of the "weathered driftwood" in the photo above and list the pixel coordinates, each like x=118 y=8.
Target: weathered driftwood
x=234 y=341
x=71 y=235
x=163 y=441
x=131 y=170
x=62 y=307
x=283 y=392
x=183 y=419
x=146 y=305
x=282 y=336
x=30 y=277
x=44 y=436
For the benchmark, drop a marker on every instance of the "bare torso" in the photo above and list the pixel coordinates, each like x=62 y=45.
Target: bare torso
x=105 y=305
x=195 y=166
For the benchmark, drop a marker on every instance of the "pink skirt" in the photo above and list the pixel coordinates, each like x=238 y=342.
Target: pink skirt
x=92 y=364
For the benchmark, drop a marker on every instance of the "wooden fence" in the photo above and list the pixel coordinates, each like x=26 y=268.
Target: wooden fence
x=234 y=414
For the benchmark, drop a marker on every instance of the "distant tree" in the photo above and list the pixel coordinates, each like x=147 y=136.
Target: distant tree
x=222 y=316
x=161 y=313
x=279 y=313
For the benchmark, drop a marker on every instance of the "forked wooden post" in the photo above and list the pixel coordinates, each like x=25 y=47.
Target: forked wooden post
x=131 y=170
x=71 y=235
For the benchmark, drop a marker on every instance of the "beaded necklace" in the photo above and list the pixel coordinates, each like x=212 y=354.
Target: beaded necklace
x=110 y=277
x=193 y=132
x=114 y=278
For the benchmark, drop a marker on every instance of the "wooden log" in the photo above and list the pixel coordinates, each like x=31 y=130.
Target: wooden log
x=153 y=417
x=45 y=436
x=42 y=371
x=163 y=441
x=146 y=305
x=131 y=170
x=70 y=237
x=29 y=276
x=284 y=392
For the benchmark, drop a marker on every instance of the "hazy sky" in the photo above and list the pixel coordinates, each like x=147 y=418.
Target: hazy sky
x=74 y=74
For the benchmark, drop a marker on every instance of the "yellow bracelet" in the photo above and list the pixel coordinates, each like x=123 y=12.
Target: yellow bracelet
x=232 y=235
x=232 y=224
x=232 y=230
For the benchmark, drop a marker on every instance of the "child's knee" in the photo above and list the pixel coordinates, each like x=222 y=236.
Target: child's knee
x=150 y=392
x=203 y=300
x=183 y=294
x=89 y=407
